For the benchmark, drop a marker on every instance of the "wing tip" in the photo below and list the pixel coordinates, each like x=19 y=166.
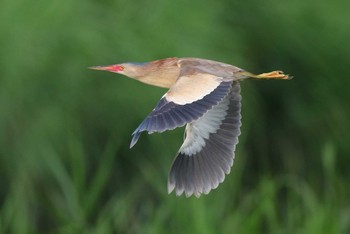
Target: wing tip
x=171 y=187
x=179 y=191
x=135 y=138
x=197 y=193
x=179 y=182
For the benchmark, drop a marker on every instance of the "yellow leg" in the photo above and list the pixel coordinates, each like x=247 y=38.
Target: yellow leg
x=270 y=75
x=274 y=75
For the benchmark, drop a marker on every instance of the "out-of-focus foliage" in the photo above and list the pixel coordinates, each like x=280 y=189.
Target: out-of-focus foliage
x=65 y=165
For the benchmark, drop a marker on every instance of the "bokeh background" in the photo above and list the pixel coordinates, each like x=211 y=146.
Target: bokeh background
x=65 y=162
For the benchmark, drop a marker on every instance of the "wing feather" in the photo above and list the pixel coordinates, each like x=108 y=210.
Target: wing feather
x=168 y=115
x=209 y=144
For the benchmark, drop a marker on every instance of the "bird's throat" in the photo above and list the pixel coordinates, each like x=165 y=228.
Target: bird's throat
x=164 y=78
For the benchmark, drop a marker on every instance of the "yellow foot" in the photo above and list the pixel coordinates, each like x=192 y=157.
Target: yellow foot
x=270 y=75
x=274 y=75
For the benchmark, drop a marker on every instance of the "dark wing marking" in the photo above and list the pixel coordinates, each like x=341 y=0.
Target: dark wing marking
x=207 y=153
x=168 y=115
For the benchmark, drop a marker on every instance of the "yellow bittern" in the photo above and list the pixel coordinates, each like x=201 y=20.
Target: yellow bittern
x=205 y=96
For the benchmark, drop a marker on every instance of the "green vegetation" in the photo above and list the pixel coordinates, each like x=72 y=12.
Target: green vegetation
x=65 y=162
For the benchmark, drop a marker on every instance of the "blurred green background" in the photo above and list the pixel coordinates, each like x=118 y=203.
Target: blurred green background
x=65 y=162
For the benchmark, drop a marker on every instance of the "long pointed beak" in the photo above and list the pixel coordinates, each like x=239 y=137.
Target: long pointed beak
x=116 y=68
x=104 y=68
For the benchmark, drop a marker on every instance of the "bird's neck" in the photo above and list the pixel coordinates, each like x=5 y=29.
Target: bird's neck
x=162 y=73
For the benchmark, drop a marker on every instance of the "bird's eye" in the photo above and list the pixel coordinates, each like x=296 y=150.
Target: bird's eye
x=120 y=68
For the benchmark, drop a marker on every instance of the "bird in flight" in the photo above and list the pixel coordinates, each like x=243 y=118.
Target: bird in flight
x=205 y=96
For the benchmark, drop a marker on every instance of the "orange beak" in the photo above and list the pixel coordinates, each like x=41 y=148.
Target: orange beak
x=110 y=68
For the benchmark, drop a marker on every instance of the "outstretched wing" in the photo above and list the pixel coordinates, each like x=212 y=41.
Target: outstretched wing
x=207 y=152
x=186 y=101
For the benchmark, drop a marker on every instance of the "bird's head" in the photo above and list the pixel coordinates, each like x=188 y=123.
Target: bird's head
x=128 y=69
x=162 y=73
